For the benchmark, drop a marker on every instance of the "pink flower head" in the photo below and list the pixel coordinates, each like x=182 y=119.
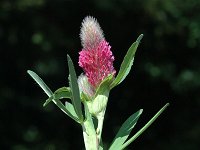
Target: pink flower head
x=96 y=58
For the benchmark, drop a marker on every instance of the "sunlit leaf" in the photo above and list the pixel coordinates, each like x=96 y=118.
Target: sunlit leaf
x=145 y=127
x=63 y=92
x=104 y=86
x=127 y=63
x=76 y=101
x=40 y=82
x=70 y=108
x=125 y=130
x=65 y=110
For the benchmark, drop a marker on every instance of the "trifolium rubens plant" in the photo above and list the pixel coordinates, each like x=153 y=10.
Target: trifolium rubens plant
x=89 y=93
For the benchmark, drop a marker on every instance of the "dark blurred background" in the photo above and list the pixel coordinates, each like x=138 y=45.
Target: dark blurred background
x=38 y=35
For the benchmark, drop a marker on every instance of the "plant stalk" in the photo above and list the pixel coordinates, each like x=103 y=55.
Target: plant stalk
x=89 y=134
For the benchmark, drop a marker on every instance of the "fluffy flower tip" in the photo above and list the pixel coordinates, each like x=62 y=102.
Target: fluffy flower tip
x=91 y=34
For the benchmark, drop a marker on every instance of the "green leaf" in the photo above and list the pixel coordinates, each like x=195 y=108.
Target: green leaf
x=100 y=146
x=85 y=97
x=40 y=82
x=63 y=92
x=87 y=112
x=125 y=130
x=70 y=108
x=127 y=63
x=65 y=110
x=145 y=127
x=60 y=93
x=105 y=85
x=76 y=101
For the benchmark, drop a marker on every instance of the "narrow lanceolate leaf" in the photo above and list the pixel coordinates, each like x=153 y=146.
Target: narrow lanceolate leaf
x=65 y=110
x=40 y=82
x=76 y=101
x=63 y=92
x=70 y=108
x=145 y=127
x=125 y=130
x=53 y=96
x=127 y=63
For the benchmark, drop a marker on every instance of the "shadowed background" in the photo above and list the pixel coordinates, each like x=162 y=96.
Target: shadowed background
x=38 y=35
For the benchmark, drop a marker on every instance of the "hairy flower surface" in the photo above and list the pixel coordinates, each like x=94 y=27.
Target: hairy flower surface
x=91 y=34
x=96 y=58
x=84 y=86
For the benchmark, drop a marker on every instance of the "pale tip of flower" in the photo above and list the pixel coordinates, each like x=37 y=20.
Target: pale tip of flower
x=91 y=33
x=84 y=85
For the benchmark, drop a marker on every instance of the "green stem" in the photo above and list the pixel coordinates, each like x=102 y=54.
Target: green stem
x=89 y=134
x=100 y=118
x=145 y=127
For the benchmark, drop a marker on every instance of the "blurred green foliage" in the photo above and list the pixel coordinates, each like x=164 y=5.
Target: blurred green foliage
x=38 y=34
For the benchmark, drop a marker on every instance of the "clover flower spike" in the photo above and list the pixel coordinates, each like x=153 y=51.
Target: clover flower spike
x=95 y=58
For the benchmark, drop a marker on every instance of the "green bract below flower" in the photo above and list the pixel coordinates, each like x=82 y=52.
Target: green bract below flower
x=90 y=91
